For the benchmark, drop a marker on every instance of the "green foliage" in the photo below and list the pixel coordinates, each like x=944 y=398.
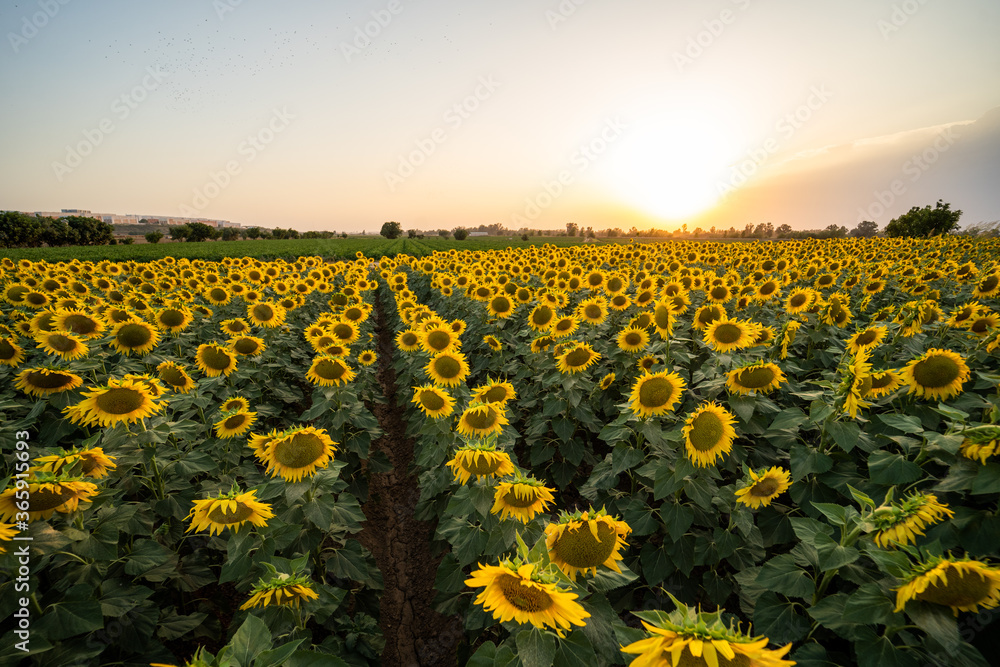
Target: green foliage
x=460 y=233
x=925 y=221
x=391 y=230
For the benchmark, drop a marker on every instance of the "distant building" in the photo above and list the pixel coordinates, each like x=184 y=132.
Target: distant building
x=478 y=234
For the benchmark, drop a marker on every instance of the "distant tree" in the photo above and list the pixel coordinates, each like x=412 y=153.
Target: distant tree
x=266 y=234
x=411 y=233
x=571 y=228
x=230 y=233
x=199 y=231
x=179 y=232
x=865 y=230
x=589 y=233
x=253 y=232
x=343 y=235
x=460 y=233
x=128 y=240
x=444 y=233
x=391 y=230
x=925 y=221
x=154 y=236
x=85 y=230
x=144 y=221
x=524 y=237
x=784 y=231
x=19 y=230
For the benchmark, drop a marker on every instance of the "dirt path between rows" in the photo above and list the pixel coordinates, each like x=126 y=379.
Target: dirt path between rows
x=415 y=634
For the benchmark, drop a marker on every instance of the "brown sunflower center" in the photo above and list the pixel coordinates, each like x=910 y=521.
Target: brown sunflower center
x=45 y=499
x=578 y=357
x=523 y=596
x=80 y=324
x=447 y=367
x=527 y=499
x=619 y=301
x=936 y=371
x=963 y=589
x=482 y=463
x=61 y=343
x=579 y=548
x=709 y=315
x=989 y=283
x=431 y=400
x=218 y=294
x=501 y=304
x=706 y=431
x=7 y=351
x=41 y=380
x=438 y=340
x=767 y=288
x=343 y=331
x=727 y=333
x=299 y=451
x=719 y=292
x=564 y=324
x=798 y=300
x=409 y=339
x=656 y=392
x=36 y=298
x=330 y=369
x=764 y=488
x=881 y=380
x=171 y=318
x=661 y=317
x=173 y=376
x=593 y=311
x=134 y=335
x=246 y=346
x=481 y=419
x=866 y=337
x=222 y=514
x=980 y=326
x=235 y=421
x=120 y=400
x=756 y=378
x=263 y=312
x=354 y=314
x=216 y=358
x=495 y=394
x=633 y=338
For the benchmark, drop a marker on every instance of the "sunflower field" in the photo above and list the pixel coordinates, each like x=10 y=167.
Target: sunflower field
x=678 y=453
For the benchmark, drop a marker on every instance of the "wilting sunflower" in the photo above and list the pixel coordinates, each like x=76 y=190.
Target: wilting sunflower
x=693 y=639
x=788 y=334
x=63 y=345
x=494 y=391
x=234 y=423
x=981 y=442
x=265 y=314
x=656 y=393
x=433 y=401
x=93 y=463
x=134 y=337
x=45 y=381
x=726 y=335
x=297 y=453
x=481 y=460
x=214 y=360
x=174 y=376
x=174 y=319
x=763 y=487
x=900 y=523
x=492 y=343
x=867 y=339
x=47 y=495
x=228 y=510
x=367 y=357
x=963 y=584
x=582 y=542
x=576 y=359
x=329 y=371
x=857 y=383
x=482 y=420
x=607 y=381
x=708 y=434
x=936 y=374
x=447 y=368
x=282 y=590
x=633 y=339
x=758 y=376
x=516 y=592
x=11 y=354
x=521 y=499
x=120 y=401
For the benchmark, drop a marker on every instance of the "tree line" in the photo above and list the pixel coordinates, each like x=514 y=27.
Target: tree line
x=20 y=230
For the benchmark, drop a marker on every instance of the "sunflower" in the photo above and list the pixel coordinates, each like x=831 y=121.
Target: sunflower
x=282 y=590
x=79 y=323
x=367 y=357
x=175 y=377
x=234 y=327
x=983 y=325
x=763 y=487
x=481 y=420
x=704 y=316
x=7 y=533
x=494 y=391
x=345 y=332
x=726 y=335
x=433 y=401
x=541 y=344
x=961 y=584
x=901 y=522
x=214 y=360
x=564 y=326
x=936 y=374
x=515 y=592
x=408 y=340
x=799 y=300
x=584 y=541
x=134 y=336
x=329 y=371
x=46 y=496
x=173 y=320
x=521 y=499
x=228 y=510
x=501 y=306
x=692 y=639
x=708 y=434
x=120 y=401
x=447 y=368
x=607 y=381
x=593 y=310
x=633 y=339
x=758 y=376
x=93 y=463
x=868 y=339
x=884 y=383
x=45 y=381
x=492 y=343
x=63 y=345
x=987 y=286
x=247 y=346
x=981 y=442
x=788 y=334
x=541 y=317
x=297 y=453
x=217 y=295
x=481 y=460
x=439 y=339
x=577 y=358
x=234 y=423
x=656 y=393
x=265 y=314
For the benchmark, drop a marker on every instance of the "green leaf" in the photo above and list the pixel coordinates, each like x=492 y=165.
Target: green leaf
x=880 y=652
x=485 y=656
x=599 y=627
x=987 y=480
x=789 y=418
x=938 y=622
x=904 y=423
x=575 y=650
x=277 y=657
x=252 y=638
x=782 y=575
x=778 y=620
x=860 y=497
x=743 y=406
x=806 y=460
x=536 y=648
x=312 y=659
x=845 y=434
x=837 y=514
x=869 y=605
x=625 y=458
x=151 y=560
x=172 y=625
x=677 y=517
x=892 y=469
x=564 y=428
x=68 y=619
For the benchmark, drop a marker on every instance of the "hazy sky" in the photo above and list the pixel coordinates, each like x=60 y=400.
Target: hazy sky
x=448 y=113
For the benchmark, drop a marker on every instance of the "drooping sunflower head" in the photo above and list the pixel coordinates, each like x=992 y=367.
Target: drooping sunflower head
x=583 y=541
x=297 y=453
x=281 y=590
x=229 y=510
x=482 y=420
x=962 y=584
x=46 y=380
x=936 y=374
x=447 y=368
x=175 y=377
x=708 y=434
x=214 y=360
x=764 y=486
x=47 y=494
x=92 y=462
x=494 y=391
x=521 y=499
x=900 y=522
x=480 y=459
x=758 y=376
x=656 y=393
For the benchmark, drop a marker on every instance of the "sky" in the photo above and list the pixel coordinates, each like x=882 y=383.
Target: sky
x=342 y=115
